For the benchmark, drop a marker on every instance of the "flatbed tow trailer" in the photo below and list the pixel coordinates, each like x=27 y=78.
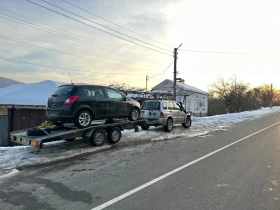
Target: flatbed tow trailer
x=96 y=134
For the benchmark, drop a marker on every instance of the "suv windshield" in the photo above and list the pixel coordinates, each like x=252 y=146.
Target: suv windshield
x=151 y=105
x=64 y=91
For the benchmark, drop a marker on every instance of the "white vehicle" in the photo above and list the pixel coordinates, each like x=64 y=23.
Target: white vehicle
x=163 y=112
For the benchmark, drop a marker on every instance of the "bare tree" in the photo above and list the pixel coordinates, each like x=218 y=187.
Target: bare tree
x=224 y=90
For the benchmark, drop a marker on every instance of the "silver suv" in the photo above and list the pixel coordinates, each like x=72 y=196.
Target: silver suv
x=162 y=112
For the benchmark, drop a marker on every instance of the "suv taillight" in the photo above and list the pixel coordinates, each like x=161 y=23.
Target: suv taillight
x=161 y=115
x=71 y=100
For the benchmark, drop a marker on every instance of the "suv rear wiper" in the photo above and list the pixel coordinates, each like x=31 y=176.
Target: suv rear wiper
x=54 y=95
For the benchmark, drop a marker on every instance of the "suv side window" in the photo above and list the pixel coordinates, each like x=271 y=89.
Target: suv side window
x=176 y=106
x=113 y=94
x=171 y=106
x=94 y=92
x=164 y=105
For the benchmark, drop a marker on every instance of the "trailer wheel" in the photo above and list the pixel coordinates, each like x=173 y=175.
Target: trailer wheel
x=98 y=137
x=145 y=127
x=114 y=135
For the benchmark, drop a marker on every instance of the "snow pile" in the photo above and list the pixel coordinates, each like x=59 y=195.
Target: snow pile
x=28 y=94
x=11 y=157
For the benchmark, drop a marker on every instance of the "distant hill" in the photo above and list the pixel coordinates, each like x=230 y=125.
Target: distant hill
x=5 y=82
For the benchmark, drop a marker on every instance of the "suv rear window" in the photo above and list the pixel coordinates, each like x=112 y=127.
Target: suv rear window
x=151 y=106
x=64 y=91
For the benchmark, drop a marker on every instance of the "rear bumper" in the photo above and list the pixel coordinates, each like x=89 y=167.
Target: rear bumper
x=60 y=115
x=160 y=121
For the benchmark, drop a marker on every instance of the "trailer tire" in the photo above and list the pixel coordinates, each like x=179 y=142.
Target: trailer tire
x=98 y=137
x=114 y=135
x=145 y=127
x=38 y=132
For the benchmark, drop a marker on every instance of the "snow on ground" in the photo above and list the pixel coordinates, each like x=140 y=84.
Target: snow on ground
x=11 y=157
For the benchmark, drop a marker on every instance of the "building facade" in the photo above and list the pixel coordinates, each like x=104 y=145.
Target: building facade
x=193 y=99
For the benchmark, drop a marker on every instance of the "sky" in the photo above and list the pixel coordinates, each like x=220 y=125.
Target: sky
x=218 y=37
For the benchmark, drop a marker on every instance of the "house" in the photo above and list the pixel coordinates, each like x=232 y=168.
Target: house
x=193 y=99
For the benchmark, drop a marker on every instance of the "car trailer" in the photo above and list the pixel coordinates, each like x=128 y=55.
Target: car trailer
x=96 y=134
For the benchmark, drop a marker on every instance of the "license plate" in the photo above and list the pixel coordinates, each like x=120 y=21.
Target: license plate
x=18 y=139
x=33 y=143
x=53 y=112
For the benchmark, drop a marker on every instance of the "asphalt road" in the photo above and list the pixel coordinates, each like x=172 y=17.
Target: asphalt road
x=217 y=172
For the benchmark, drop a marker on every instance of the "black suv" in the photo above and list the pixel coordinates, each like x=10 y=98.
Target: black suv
x=84 y=103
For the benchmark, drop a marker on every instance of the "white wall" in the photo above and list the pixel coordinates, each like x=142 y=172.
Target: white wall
x=193 y=102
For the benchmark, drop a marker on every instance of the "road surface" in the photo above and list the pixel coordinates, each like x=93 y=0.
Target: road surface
x=237 y=168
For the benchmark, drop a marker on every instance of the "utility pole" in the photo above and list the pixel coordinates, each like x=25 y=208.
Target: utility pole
x=271 y=88
x=175 y=70
x=147 y=78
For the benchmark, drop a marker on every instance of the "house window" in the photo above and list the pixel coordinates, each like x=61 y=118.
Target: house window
x=203 y=106
x=196 y=105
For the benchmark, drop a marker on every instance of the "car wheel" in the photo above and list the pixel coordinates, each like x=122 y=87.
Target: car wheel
x=134 y=114
x=169 y=125
x=145 y=127
x=188 y=123
x=98 y=137
x=114 y=135
x=83 y=119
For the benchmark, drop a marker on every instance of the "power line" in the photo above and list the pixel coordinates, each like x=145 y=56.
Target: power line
x=60 y=51
x=166 y=70
x=163 y=70
x=222 y=52
x=33 y=38
x=114 y=23
x=72 y=38
x=67 y=69
x=49 y=49
x=104 y=26
x=99 y=29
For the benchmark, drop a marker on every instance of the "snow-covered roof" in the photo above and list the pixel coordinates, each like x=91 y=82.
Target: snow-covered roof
x=33 y=94
x=167 y=86
x=131 y=95
x=189 y=88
